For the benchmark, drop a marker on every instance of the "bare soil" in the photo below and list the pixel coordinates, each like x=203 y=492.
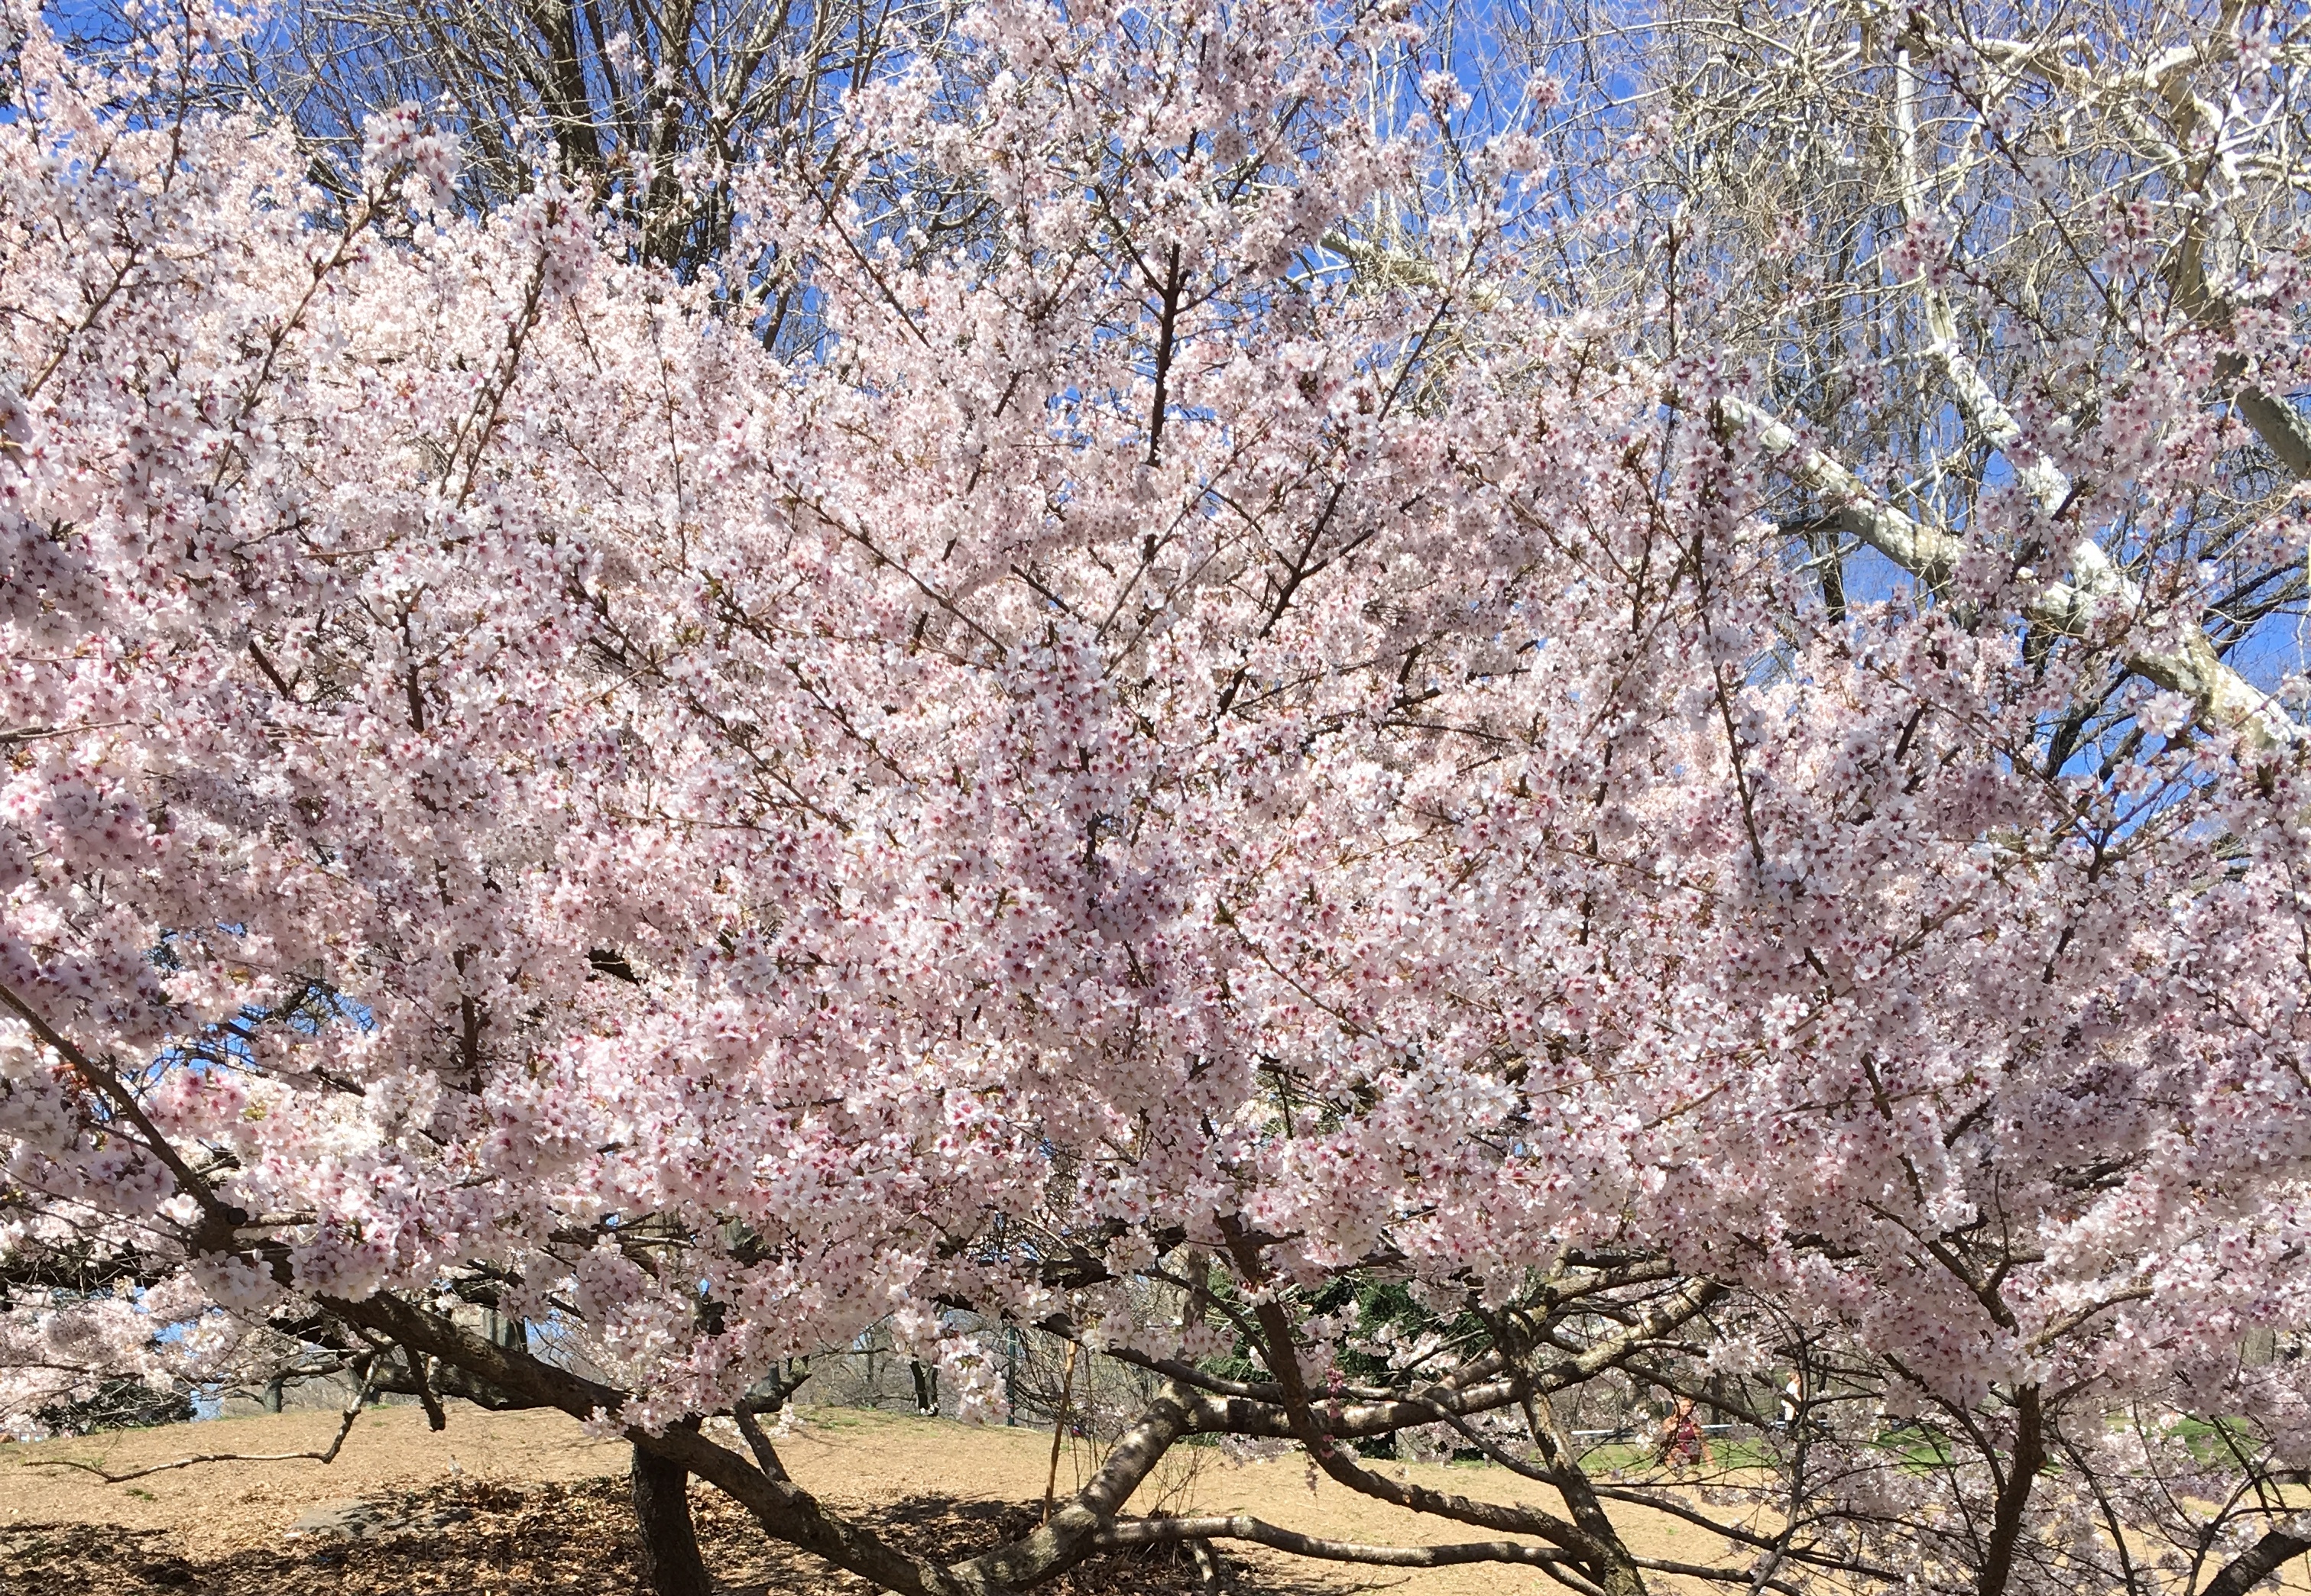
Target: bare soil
x=535 y=1504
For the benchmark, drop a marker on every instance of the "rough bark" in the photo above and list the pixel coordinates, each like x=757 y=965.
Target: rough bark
x=670 y=1563
x=2014 y=1493
x=2258 y=1562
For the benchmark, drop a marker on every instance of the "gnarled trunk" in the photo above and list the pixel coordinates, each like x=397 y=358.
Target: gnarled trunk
x=670 y=1563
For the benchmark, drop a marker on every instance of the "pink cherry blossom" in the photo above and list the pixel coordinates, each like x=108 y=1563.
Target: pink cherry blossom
x=1185 y=742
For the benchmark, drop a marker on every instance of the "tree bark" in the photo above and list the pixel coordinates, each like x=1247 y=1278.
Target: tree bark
x=670 y=1563
x=2258 y=1562
x=1211 y=1577
x=1617 y=1573
x=2014 y=1492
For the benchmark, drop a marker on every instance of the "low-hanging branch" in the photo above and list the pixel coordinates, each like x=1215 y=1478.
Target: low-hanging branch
x=327 y=1455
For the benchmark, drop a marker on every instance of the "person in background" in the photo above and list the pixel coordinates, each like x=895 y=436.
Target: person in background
x=1681 y=1437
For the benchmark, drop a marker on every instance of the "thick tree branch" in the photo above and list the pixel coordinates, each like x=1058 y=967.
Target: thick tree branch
x=2022 y=1468
x=1160 y=1531
x=2188 y=665
x=2258 y=1562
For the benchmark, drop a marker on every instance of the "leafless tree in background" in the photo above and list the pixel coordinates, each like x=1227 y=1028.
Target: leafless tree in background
x=650 y=107
x=1943 y=236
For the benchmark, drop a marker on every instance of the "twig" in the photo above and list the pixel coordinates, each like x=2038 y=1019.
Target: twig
x=352 y=1413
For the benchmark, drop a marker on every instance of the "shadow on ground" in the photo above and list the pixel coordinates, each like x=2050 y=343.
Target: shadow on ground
x=496 y=1541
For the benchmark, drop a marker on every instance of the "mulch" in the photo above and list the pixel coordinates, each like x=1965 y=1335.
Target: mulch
x=494 y=1540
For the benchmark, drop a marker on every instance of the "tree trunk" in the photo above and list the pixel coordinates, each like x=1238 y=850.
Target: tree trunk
x=670 y=1563
x=2014 y=1492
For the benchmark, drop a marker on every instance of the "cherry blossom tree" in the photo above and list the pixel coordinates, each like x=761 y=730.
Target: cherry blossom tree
x=1215 y=736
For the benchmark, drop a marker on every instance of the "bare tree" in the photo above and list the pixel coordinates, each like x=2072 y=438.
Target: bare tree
x=1945 y=237
x=650 y=107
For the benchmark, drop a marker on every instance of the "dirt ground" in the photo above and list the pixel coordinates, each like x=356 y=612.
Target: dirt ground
x=525 y=1502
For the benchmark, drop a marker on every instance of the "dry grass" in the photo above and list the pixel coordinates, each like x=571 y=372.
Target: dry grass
x=545 y=1517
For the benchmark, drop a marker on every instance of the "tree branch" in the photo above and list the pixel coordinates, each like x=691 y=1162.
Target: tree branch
x=2258 y=1562
x=326 y=1456
x=1158 y=1531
